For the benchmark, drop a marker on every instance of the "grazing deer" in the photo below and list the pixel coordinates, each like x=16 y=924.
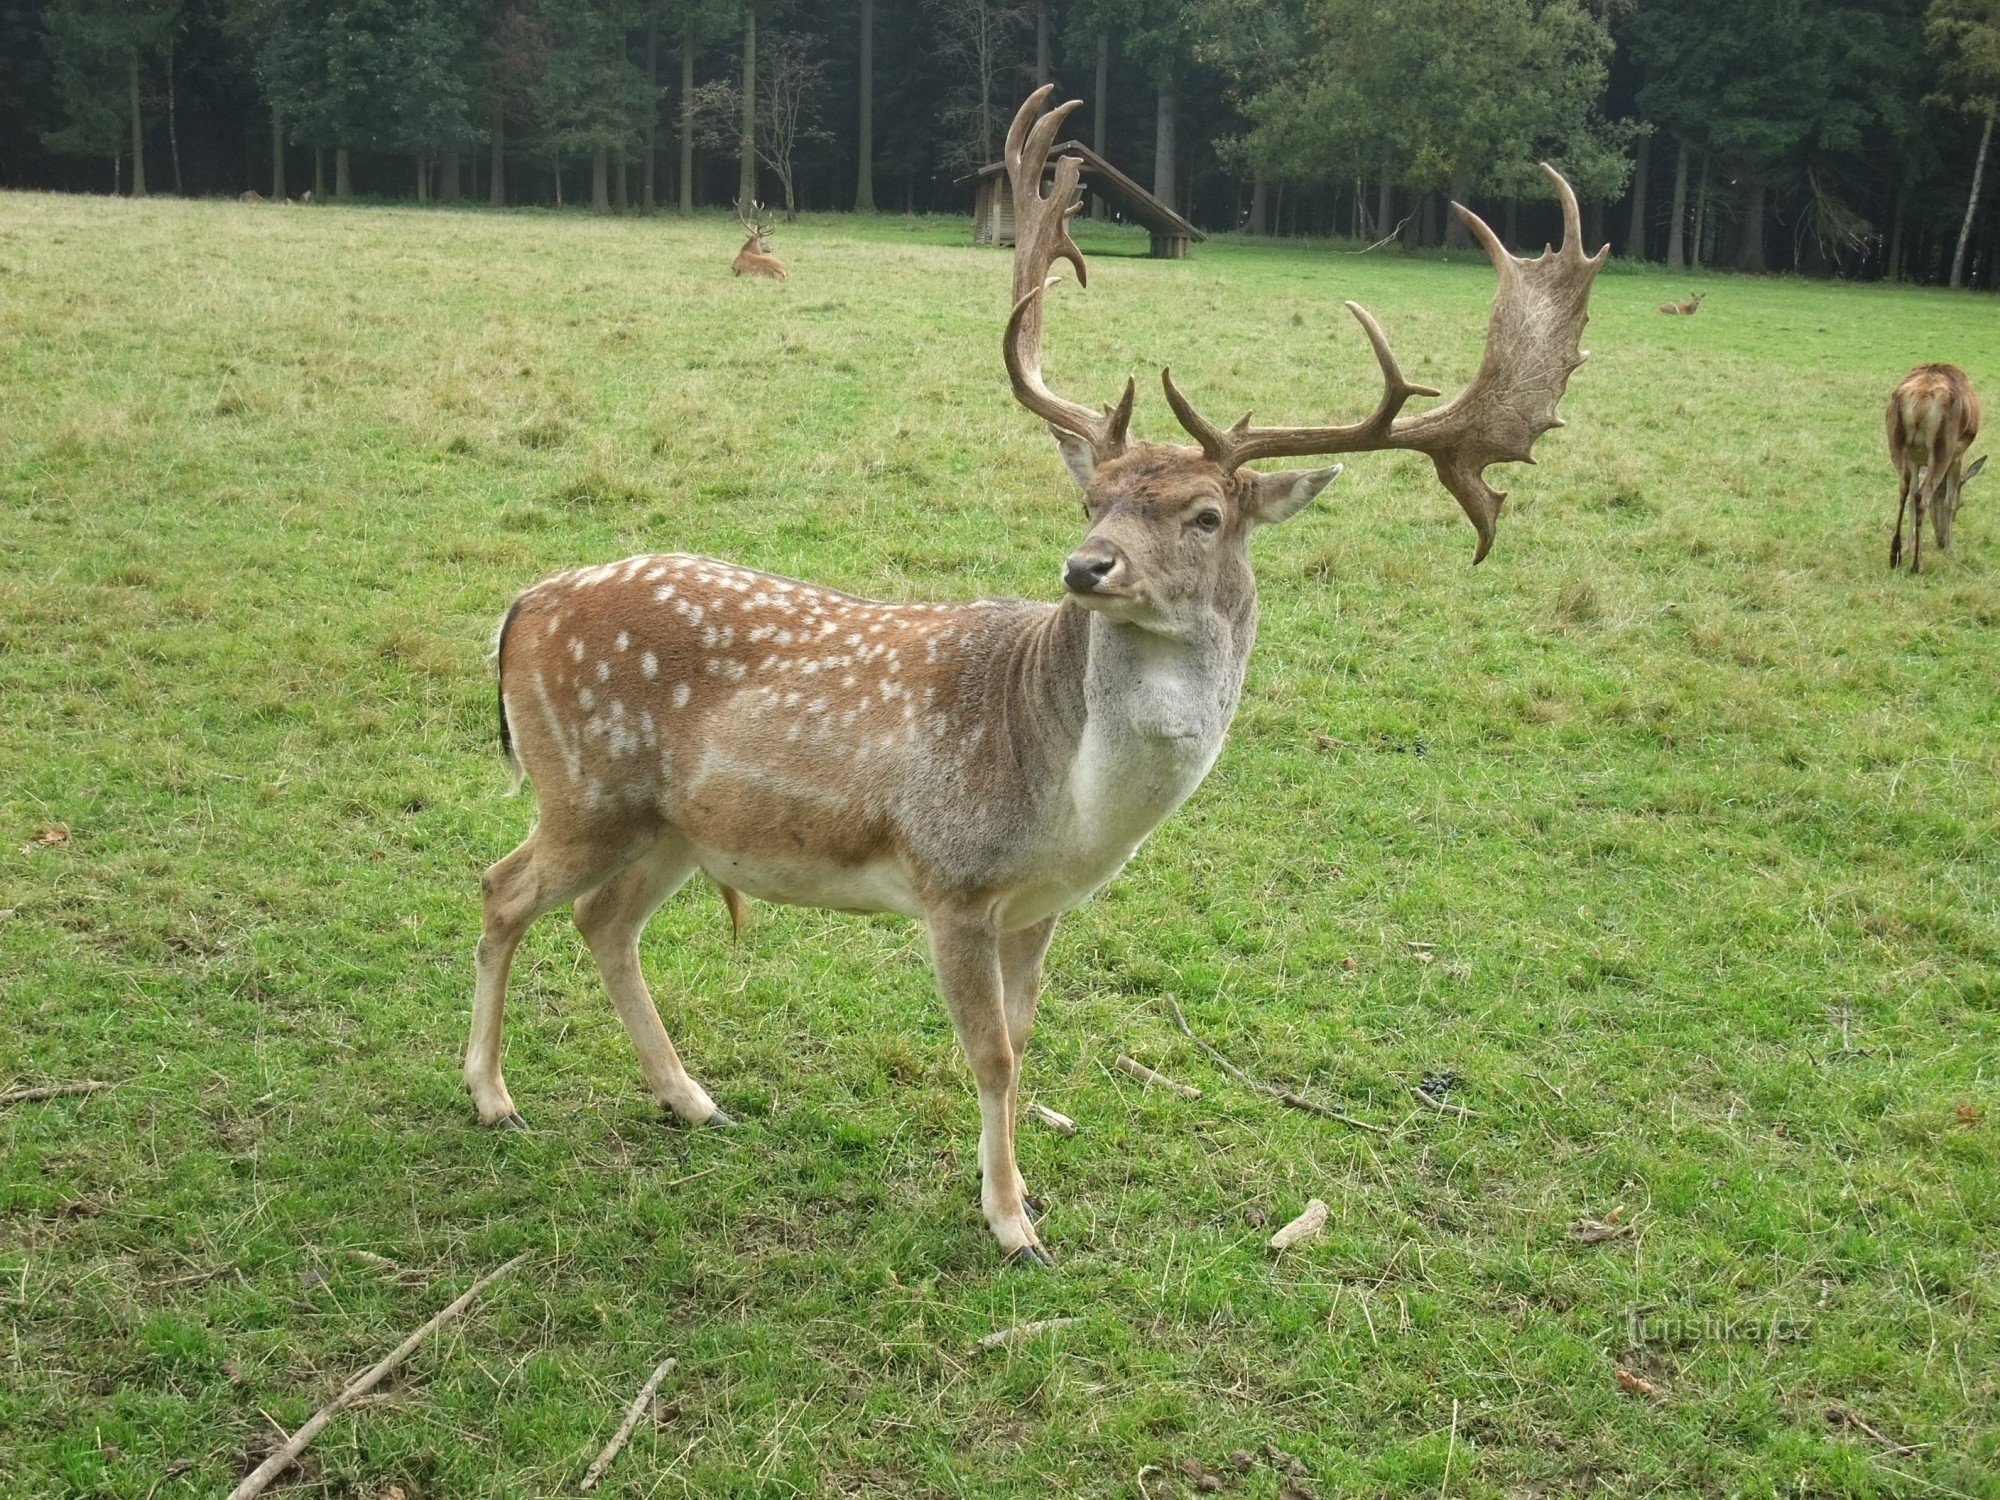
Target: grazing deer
x=755 y=258
x=1684 y=309
x=1933 y=418
x=980 y=767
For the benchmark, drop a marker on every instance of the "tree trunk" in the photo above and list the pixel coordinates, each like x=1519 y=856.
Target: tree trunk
x=173 y=123
x=864 y=182
x=1593 y=224
x=139 y=128
x=319 y=174
x=1456 y=235
x=651 y=158
x=423 y=179
x=687 y=120
x=1041 y=42
x=1893 y=270
x=746 y=177
x=277 y=156
x=1701 y=212
x=1385 y=201
x=1099 y=209
x=1676 y=234
x=496 y=164
x=343 y=173
x=559 y=197
x=1750 y=252
x=621 y=188
x=1428 y=233
x=600 y=181
x=1510 y=222
x=1635 y=237
x=448 y=179
x=1163 y=146
x=1259 y=192
x=1957 y=260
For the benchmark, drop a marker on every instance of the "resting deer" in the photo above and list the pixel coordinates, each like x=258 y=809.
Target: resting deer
x=981 y=767
x=1933 y=418
x=755 y=258
x=1684 y=309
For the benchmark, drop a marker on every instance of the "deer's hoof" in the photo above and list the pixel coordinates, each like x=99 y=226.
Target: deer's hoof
x=510 y=1121
x=1032 y=1207
x=1032 y=1257
x=720 y=1121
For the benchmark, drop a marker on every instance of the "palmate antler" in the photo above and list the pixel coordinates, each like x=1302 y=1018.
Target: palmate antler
x=1539 y=310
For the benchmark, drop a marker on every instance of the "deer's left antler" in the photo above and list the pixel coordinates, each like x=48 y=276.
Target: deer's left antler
x=1539 y=310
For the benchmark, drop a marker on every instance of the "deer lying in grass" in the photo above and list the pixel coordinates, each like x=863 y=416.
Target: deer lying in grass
x=1933 y=418
x=980 y=767
x=755 y=258
x=1684 y=309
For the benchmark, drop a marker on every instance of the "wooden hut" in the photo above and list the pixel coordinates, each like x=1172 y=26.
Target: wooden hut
x=993 y=203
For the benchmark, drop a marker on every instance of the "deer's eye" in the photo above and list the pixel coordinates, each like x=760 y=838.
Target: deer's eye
x=1209 y=521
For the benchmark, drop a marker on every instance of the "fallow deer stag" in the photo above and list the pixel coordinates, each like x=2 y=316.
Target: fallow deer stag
x=755 y=258
x=981 y=767
x=1933 y=418
x=1685 y=309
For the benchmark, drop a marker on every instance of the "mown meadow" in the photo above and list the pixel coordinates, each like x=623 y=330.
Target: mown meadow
x=1661 y=844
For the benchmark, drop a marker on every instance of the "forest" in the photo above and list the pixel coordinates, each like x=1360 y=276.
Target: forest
x=1826 y=137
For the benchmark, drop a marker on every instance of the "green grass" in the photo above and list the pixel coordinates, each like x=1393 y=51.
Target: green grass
x=1676 y=780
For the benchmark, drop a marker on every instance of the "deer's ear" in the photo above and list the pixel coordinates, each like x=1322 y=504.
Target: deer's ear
x=1977 y=464
x=1282 y=495
x=1077 y=454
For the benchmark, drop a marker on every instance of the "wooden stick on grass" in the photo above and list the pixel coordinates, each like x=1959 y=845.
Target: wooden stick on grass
x=1150 y=1078
x=632 y=1414
x=1283 y=1096
x=53 y=1091
x=283 y=1459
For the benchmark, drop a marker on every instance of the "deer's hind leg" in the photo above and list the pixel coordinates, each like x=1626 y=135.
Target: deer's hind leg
x=1902 y=503
x=611 y=919
x=544 y=872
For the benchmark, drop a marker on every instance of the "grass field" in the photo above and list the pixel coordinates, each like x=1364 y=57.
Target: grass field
x=1668 y=832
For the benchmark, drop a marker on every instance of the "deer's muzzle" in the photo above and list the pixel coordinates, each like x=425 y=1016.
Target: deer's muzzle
x=1095 y=567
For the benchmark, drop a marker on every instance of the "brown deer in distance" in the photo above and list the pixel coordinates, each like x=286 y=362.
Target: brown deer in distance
x=755 y=258
x=981 y=767
x=1933 y=417
x=1685 y=309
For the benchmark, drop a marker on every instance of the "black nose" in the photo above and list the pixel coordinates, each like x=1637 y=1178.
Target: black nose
x=1082 y=575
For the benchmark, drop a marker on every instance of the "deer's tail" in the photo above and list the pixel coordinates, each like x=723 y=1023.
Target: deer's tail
x=498 y=659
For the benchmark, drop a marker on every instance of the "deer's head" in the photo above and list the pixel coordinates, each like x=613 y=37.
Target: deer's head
x=1170 y=524
x=750 y=214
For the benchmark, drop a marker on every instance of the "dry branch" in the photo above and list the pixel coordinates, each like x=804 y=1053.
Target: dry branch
x=1146 y=1075
x=1304 y=1227
x=1024 y=1331
x=52 y=1091
x=283 y=1459
x=1060 y=1123
x=1283 y=1096
x=632 y=1414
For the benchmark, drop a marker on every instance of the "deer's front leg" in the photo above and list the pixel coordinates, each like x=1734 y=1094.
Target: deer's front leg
x=1021 y=979
x=965 y=948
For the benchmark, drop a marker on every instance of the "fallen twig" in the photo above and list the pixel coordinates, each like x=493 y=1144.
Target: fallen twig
x=1060 y=1123
x=1023 y=1331
x=1146 y=1075
x=1383 y=241
x=283 y=1459
x=1443 y=1108
x=1596 y=1231
x=632 y=1414
x=1638 y=1385
x=1283 y=1096
x=1846 y=1416
x=1305 y=1226
x=53 y=1091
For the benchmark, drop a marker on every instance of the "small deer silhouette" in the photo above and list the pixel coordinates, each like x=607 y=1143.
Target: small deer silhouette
x=1683 y=309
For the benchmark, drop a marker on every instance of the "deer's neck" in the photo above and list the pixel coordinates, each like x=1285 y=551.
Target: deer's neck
x=1125 y=723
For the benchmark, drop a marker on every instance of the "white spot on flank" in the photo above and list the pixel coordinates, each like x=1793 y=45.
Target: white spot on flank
x=680 y=695
x=586 y=697
x=663 y=593
x=604 y=671
x=624 y=640
x=650 y=665
x=575 y=649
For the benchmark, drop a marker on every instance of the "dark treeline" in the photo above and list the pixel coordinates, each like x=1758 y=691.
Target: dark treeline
x=1841 y=137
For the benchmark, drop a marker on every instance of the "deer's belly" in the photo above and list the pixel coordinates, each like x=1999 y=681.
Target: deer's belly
x=874 y=885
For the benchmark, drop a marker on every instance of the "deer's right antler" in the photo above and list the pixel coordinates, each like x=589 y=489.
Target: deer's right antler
x=1041 y=238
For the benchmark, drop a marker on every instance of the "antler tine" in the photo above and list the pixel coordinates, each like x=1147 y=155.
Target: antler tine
x=1042 y=237
x=1242 y=443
